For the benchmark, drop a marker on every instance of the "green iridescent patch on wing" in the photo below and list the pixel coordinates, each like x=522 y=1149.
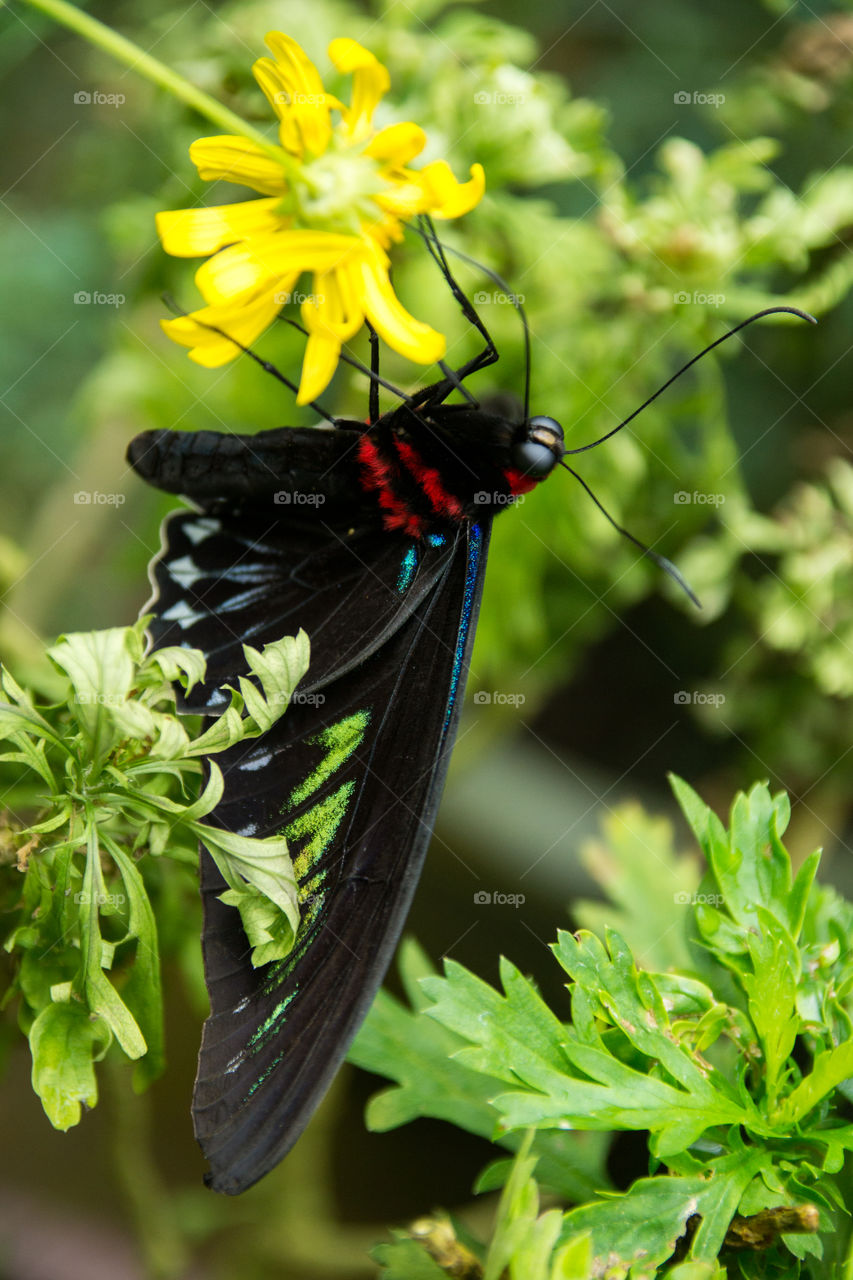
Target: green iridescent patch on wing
x=319 y=825
x=310 y=836
x=338 y=741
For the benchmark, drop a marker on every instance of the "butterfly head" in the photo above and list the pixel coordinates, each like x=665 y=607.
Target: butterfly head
x=538 y=448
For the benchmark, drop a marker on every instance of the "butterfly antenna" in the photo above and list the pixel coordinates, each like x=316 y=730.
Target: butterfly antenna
x=440 y=249
x=661 y=561
x=264 y=364
x=768 y=311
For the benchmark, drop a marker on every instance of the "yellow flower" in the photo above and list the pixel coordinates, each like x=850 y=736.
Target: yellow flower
x=333 y=196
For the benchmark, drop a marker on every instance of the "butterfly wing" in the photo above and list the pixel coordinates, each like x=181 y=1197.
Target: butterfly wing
x=352 y=775
x=222 y=581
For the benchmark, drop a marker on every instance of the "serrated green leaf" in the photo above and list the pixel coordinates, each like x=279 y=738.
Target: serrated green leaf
x=173 y=663
x=828 y=1071
x=421 y=1055
x=65 y=1042
x=642 y=907
x=772 y=991
x=100 y=666
x=263 y=863
x=642 y=1226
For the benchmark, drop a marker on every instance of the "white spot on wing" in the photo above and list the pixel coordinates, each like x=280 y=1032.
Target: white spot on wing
x=256 y=760
x=184 y=571
x=198 y=530
x=183 y=614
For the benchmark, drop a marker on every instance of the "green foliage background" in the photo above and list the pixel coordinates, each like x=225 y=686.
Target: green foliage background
x=636 y=226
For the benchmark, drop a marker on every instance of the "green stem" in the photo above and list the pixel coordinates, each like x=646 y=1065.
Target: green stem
x=103 y=37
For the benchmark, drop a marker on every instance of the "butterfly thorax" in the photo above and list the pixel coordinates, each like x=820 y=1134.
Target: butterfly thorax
x=445 y=465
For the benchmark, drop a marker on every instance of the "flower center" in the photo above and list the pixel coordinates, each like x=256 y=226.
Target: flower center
x=337 y=190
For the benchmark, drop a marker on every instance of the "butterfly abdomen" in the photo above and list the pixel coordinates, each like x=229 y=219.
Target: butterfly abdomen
x=310 y=469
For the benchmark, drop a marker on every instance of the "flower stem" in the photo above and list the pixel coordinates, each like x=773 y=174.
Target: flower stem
x=118 y=46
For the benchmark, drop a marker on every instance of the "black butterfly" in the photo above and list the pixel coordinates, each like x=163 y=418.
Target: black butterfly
x=373 y=538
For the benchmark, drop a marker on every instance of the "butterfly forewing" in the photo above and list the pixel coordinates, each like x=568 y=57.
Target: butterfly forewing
x=223 y=581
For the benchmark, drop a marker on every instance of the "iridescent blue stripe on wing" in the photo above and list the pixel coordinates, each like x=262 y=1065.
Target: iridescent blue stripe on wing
x=475 y=551
x=407 y=569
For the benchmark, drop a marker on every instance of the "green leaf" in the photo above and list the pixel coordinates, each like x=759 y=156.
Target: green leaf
x=518 y=1037
x=279 y=667
x=142 y=992
x=269 y=931
x=405 y=1259
x=174 y=663
x=642 y=1226
x=523 y=1241
x=573 y=1261
x=772 y=992
x=829 y=1070
x=421 y=1055
x=642 y=907
x=265 y=864
x=100 y=666
x=65 y=1042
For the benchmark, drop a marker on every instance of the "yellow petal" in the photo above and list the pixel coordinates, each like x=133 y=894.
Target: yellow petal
x=305 y=105
x=249 y=267
x=212 y=349
x=403 y=199
x=189 y=233
x=370 y=81
x=303 y=112
x=390 y=319
x=397 y=145
x=321 y=360
x=238 y=160
x=335 y=308
x=449 y=198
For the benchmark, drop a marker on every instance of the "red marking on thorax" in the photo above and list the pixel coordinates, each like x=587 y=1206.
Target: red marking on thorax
x=518 y=482
x=378 y=476
x=429 y=478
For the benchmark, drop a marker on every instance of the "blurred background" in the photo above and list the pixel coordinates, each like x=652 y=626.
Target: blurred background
x=655 y=173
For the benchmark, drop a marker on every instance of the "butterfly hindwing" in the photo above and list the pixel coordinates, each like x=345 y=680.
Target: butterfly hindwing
x=351 y=775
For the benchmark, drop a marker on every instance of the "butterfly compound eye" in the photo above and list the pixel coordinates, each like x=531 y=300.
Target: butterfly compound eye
x=541 y=447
